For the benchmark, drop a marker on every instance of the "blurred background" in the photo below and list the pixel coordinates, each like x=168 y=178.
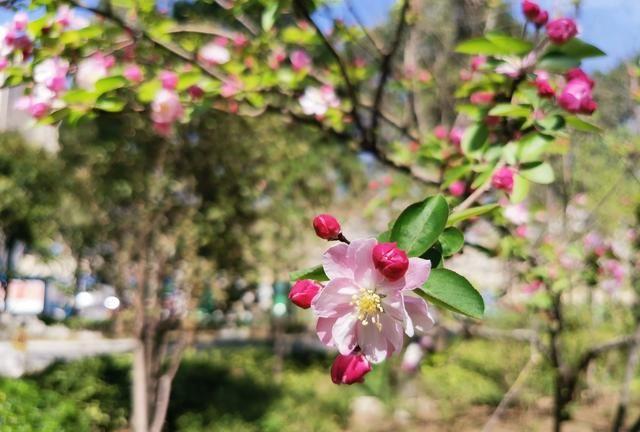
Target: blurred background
x=238 y=197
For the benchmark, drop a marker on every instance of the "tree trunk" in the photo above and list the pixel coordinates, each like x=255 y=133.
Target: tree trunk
x=140 y=417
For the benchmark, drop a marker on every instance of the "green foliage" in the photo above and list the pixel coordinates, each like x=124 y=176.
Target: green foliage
x=419 y=225
x=314 y=273
x=448 y=289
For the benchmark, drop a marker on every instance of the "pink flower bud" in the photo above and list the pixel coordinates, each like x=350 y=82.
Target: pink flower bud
x=530 y=9
x=561 y=30
x=455 y=136
x=300 y=60
x=133 y=73
x=169 y=80
x=577 y=97
x=390 y=261
x=544 y=88
x=481 y=97
x=579 y=74
x=3 y=63
x=541 y=19
x=303 y=292
x=503 y=179
x=39 y=109
x=440 y=132
x=326 y=226
x=349 y=369
x=457 y=188
x=477 y=62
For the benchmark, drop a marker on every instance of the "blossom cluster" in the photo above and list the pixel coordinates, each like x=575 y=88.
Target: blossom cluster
x=368 y=303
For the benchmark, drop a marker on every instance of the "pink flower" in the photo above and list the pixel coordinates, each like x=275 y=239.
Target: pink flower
x=239 y=40
x=349 y=369
x=530 y=9
x=477 y=62
x=457 y=188
x=481 y=97
x=577 y=97
x=533 y=286
x=20 y=21
x=515 y=67
x=277 y=56
x=213 y=54
x=166 y=107
x=133 y=73
x=440 y=132
x=579 y=74
x=503 y=179
x=168 y=79
x=317 y=101
x=455 y=136
x=391 y=261
x=52 y=73
x=93 y=69
x=412 y=357
x=302 y=292
x=300 y=60
x=360 y=309
x=3 y=63
x=544 y=88
x=326 y=226
x=561 y=30
x=231 y=87
x=521 y=231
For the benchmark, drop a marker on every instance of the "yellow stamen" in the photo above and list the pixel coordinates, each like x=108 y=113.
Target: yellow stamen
x=369 y=306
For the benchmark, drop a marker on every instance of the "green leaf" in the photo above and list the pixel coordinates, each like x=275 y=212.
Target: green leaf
x=110 y=104
x=578 y=49
x=315 y=273
x=451 y=240
x=384 y=237
x=148 y=90
x=188 y=79
x=452 y=291
x=470 y=212
x=79 y=96
x=537 y=172
x=269 y=16
x=557 y=62
x=509 y=44
x=477 y=46
x=552 y=122
x=521 y=188
x=474 y=138
x=532 y=146
x=583 y=126
x=108 y=84
x=434 y=255
x=510 y=110
x=419 y=225
x=454 y=174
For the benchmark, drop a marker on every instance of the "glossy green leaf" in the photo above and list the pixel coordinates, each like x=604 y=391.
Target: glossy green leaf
x=511 y=110
x=315 y=273
x=537 y=172
x=110 y=104
x=509 y=44
x=532 y=146
x=474 y=138
x=583 y=126
x=419 y=225
x=451 y=241
x=558 y=62
x=448 y=289
x=148 y=90
x=578 y=49
x=269 y=16
x=460 y=216
x=521 y=188
x=79 y=96
x=434 y=255
x=111 y=83
x=384 y=237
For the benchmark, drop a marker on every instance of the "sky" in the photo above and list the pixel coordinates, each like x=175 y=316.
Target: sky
x=612 y=25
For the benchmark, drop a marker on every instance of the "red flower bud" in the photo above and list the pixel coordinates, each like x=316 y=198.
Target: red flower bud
x=503 y=179
x=303 y=292
x=349 y=369
x=530 y=9
x=544 y=88
x=390 y=261
x=327 y=227
x=561 y=30
x=541 y=19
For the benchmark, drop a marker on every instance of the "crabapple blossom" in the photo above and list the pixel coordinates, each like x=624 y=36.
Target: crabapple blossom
x=300 y=60
x=361 y=310
x=503 y=179
x=326 y=227
x=440 y=132
x=133 y=73
x=349 y=369
x=168 y=79
x=577 y=96
x=317 y=101
x=561 y=30
x=477 y=62
x=455 y=136
x=541 y=19
x=302 y=292
x=391 y=261
x=515 y=67
x=482 y=97
x=213 y=54
x=530 y=9
x=230 y=87
x=52 y=73
x=412 y=356
x=93 y=69
x=165 y=110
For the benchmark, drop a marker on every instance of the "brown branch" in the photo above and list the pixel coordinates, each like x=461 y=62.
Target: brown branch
x=366 y=32
x=385 y=72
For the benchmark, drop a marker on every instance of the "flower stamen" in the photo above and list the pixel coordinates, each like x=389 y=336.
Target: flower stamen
x=369 y=307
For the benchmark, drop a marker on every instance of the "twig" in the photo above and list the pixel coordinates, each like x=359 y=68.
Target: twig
x=625 y=391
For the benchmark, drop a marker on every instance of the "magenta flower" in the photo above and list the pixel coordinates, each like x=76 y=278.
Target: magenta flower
x=360 y=309
x=457 y=188
x=389 y=260
x=440 y=132
x=541 y=19
x=503 y=179
x=481 y=97
x=300 y=60
x=561 y=30
x=577 y=96
x=530 y=9
x=349 y=369
x=168 y=79
x=303 y=292
x=455 y=136
x=133 y=73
